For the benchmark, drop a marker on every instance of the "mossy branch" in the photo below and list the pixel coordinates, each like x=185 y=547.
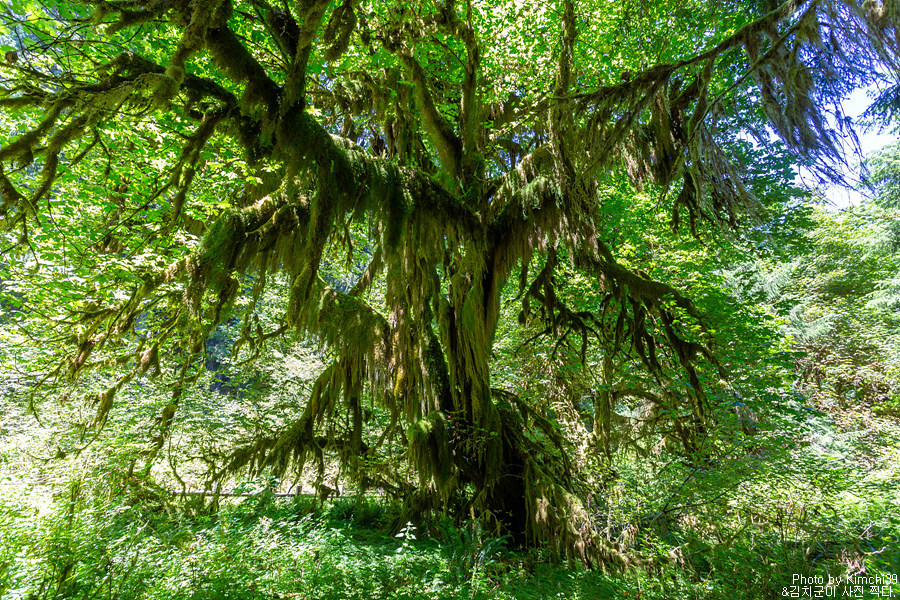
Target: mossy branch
x=448 y=145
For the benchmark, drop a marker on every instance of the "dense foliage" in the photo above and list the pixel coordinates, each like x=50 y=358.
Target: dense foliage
x=540 y=268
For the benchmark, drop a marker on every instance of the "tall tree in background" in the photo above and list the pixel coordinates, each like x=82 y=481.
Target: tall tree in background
x=472 y=142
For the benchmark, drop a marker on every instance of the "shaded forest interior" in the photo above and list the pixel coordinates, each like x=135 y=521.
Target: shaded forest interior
x=443 y=299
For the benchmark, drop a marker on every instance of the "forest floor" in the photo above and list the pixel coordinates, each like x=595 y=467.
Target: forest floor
x=267 y=547
x=142 y=545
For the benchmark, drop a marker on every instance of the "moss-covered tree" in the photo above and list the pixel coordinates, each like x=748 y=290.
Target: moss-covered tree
x=472 y=140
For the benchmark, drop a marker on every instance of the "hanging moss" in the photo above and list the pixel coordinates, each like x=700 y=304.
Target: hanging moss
x=429 y=451
x=339 y=29
x=446 y=235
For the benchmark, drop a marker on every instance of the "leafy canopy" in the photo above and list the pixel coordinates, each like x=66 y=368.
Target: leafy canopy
x=168 y=163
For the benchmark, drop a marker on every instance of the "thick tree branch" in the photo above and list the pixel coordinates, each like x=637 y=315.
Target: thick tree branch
x=448 y=145
x=241 y=67
x=310 y=14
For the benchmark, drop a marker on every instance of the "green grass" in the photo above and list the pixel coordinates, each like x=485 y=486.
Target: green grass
x=93 y=546
x=268 y=548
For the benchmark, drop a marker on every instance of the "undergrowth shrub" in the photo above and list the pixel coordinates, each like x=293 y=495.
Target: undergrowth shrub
x=105 y=536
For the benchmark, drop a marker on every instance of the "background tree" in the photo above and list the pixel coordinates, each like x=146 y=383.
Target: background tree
x=188 y=153
x=885 y=174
